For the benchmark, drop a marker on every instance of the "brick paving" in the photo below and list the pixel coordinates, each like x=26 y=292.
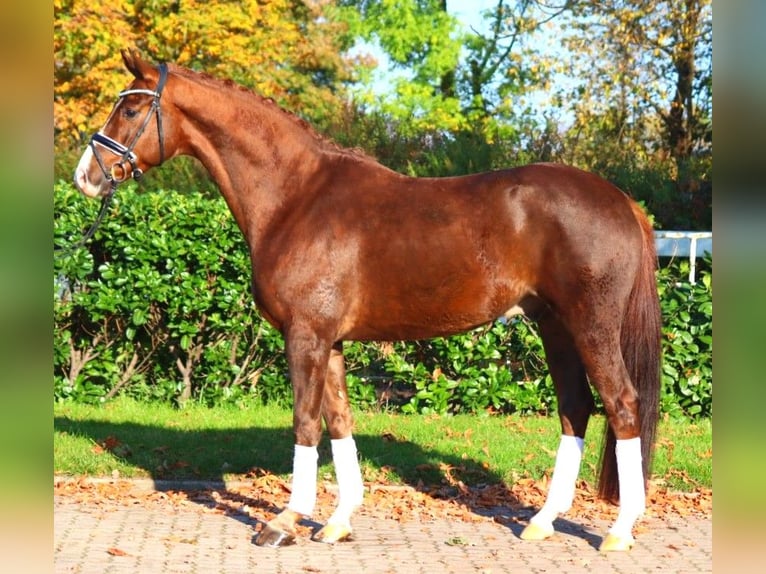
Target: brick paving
x=93 y=539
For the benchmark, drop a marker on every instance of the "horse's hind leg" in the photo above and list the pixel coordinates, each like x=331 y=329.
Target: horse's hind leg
x=602 y=356
x=575 y=404
x=337 y=414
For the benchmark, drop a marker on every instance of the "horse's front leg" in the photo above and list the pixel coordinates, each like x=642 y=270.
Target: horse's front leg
x=307 y=358
x=337 y=414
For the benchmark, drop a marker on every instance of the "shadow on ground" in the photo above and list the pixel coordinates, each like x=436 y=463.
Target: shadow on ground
x=172 y=457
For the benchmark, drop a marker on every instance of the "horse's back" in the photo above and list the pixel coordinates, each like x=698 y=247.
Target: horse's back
x=436 y=256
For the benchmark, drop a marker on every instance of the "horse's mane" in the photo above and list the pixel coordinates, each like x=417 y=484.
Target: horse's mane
x=326 y=142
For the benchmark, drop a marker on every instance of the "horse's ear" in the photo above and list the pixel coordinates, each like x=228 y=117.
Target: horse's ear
x=137 y=66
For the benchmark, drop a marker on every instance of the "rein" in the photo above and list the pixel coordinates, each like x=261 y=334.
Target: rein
x=118 y=173
x=106 y=201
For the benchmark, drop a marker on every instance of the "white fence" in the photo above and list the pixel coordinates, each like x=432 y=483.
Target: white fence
x=691 y=244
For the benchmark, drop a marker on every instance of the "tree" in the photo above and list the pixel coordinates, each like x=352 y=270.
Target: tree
x=286 y=49
x=503 y=68
x=420 y=39
x=621 y=87
x=464 y=86
x=646 y=79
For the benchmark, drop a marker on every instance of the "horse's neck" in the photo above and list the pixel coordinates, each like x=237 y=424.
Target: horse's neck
x=255 y=152
x=262 y=159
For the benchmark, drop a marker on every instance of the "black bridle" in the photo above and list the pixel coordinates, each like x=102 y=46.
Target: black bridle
x=118 y=173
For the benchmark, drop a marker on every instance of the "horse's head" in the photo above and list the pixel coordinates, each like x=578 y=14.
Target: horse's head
x=133 y=139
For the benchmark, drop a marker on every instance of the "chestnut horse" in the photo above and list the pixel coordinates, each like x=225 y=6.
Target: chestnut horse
x=343 y=249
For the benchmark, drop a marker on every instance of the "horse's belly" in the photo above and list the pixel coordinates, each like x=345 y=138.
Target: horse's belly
x=428 y=315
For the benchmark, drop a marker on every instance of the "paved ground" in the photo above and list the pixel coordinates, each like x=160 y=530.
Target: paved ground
x=139 y=539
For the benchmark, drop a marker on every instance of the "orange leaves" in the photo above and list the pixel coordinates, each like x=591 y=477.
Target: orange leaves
x=116 y=552
x=269 y=485
x=270 y=46
x=264 y=494
x=465 y=435
x=97 y=492
x=662 y=502
x=87 y=38
x=113 y=445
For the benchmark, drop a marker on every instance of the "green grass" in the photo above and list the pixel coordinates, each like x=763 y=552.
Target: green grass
x=159 y=441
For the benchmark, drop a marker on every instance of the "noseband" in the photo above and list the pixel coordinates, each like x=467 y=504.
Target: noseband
x=118 y=172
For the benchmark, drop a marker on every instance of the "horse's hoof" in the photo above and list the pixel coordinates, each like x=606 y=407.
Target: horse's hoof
x=332 y=533
x=271 y=537
x=534 y=531
x=612 y=543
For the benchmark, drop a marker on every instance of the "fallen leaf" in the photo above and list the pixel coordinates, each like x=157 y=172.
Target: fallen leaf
x=116 y=552
x=110 y=443
x=458 y=541
x=264 y=494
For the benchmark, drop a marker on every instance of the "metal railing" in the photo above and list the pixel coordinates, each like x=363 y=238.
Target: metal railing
x=691 y=244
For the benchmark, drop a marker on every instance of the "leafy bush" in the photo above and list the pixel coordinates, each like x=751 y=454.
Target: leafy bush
x=158 y=307
x=497 y=368
x=687 y=313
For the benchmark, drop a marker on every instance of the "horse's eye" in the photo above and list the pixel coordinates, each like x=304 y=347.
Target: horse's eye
x=130 y=113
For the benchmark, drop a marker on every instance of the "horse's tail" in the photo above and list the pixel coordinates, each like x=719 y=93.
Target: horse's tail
x=640 y=341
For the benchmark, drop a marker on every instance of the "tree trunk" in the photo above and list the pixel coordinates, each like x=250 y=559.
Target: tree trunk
x=447 y=83
x=679 y=121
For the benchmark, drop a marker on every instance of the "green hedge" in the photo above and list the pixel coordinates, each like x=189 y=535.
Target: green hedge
x=158 y=307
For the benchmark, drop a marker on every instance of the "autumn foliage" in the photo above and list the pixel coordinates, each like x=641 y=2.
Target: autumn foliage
x=281 y=48
x=622 y=88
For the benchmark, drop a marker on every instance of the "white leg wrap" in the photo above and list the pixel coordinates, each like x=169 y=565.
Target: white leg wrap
x=350 y=486
x=631 y=480
x=562 y=488
x=304 y=488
